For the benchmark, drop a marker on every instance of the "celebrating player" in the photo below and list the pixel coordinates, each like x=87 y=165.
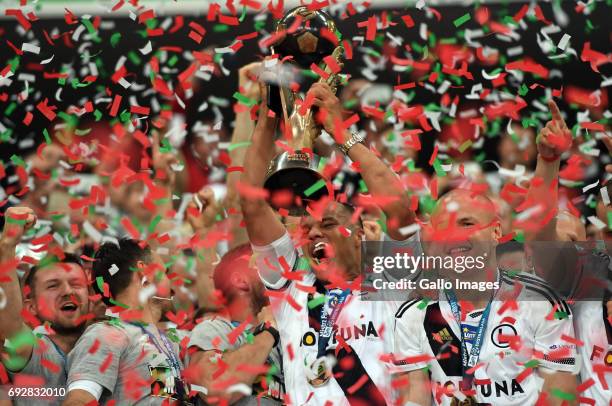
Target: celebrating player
x=310 y=285
x=56 y=294
x=128 y=362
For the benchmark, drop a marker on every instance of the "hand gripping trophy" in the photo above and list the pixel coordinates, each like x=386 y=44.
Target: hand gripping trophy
x=304 y=42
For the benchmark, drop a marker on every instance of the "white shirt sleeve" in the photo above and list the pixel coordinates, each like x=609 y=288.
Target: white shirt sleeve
x=408 y=335
x=549 y=341
x=93 y=388
x=274 y=259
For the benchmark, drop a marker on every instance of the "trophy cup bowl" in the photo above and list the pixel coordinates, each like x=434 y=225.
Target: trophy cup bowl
x=296 y=170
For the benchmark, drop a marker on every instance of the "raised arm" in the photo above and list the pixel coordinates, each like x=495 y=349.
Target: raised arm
x=17 y=221
x=554 y=139
x=558 y=267
x=383 y=184
x=238 y=366
x=262 y=224
x=201 y=214
x=241 y=135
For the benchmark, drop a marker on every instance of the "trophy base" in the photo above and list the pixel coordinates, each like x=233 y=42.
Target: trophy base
x=289 y=177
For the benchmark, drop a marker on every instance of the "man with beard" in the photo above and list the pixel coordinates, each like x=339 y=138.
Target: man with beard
x=223 y=343
x=129 y=362
x=333 y=341
x=56 y=294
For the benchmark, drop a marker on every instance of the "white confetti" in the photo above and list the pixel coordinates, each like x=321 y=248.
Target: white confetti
x=564 y=42
x=113 y=269
x=46 y=61
x=600 y=225
x=27 y=47
x=3 y=299
x=146 y=49
x=409 y=230
x=605 y=198
x=92 y=232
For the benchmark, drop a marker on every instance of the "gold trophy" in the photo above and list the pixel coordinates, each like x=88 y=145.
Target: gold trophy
x=297 y=170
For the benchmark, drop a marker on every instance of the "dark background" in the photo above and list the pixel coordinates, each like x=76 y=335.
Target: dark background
x=593 y=28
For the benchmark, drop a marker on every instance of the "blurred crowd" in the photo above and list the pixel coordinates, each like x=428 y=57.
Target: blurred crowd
x=144 y=266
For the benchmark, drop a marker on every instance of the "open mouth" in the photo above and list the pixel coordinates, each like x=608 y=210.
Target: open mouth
x=69 y=307
x=319 y=250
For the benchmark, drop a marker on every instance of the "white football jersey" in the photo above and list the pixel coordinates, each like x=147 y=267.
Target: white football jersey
x=596 y=353
x=427 y=335
x=361 y=370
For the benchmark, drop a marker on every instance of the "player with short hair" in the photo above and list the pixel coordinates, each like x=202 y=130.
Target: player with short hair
x=129 y=362
x=224 y=355
x=472 y=346
x=56 y=294
x=313 y=283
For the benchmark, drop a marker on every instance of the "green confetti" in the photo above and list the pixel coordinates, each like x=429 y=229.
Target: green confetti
x=302 y=264
x=46 y=135
x=237 y=145
x=220 y=28
x=462 y=20
x=363 y=188
x=423 y=304
x=115 y=38
x=244 y=100
x=609 y=220
x=100 y=283
x=532 y=364
x=558 y=393
x=438 y=168
x=322 y=163
x=154 y=223
x=316 y=302
x=315 y=187
x=17 y=160
x=10 y=108
x=559 y=315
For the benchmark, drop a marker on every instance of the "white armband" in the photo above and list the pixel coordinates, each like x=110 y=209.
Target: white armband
x=91 y=387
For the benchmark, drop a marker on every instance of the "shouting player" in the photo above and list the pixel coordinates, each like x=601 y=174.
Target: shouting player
x=57 y=294
x=313 y=285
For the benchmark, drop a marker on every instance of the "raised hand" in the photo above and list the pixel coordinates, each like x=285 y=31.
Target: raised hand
x=18 y=220
x=247 y=80
x=202 y=210
x=555 y=138
x=330 y=108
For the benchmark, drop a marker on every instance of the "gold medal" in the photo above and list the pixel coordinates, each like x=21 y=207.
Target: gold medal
x=318 y=373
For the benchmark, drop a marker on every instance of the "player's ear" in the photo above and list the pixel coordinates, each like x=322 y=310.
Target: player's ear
x=29 y=306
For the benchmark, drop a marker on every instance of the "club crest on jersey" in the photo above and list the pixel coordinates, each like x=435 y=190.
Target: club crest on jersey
x=502 y=335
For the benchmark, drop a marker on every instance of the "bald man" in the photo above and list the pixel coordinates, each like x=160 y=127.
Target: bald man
x=494 y=341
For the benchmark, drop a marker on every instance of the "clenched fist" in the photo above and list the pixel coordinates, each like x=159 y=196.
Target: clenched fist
x=18 y=220
x=202 y=210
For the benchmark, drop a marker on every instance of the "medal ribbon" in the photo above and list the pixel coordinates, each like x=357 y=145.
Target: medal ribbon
x=328 y=320
x=469 y=361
